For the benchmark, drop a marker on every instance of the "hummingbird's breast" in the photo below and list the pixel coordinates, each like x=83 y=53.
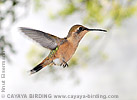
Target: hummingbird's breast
x=66 y=50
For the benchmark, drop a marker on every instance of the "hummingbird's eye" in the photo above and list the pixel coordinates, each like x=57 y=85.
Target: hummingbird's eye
x=80 y=28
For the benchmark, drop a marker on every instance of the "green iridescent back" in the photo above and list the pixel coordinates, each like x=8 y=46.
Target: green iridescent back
x=52 y=52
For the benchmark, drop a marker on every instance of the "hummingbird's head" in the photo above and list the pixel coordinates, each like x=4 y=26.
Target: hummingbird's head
x=78 y=31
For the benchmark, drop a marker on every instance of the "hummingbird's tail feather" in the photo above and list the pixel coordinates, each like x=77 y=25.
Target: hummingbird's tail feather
x=36 y=69
x=43 y=64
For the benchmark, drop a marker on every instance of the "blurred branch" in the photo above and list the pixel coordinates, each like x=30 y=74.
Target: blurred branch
x=9 y=14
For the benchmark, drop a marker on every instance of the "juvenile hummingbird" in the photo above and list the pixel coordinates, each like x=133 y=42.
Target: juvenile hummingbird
x=62 y=49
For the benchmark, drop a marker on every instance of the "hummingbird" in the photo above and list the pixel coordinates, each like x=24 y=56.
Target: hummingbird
x=61 y=49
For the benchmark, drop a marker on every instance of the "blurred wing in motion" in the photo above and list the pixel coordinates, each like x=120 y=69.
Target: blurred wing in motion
x=46 y=40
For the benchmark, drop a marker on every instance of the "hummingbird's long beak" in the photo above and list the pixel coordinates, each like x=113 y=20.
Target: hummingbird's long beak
x=96 y=30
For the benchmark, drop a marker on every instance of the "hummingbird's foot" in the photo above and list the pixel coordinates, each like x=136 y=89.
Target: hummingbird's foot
x=53 y=63
x=64 y=64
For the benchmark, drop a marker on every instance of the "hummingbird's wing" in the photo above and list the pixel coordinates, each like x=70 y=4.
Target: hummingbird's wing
x=46 y=40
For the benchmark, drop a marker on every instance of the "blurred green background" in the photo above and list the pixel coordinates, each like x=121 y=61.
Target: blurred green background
x=111 y=56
